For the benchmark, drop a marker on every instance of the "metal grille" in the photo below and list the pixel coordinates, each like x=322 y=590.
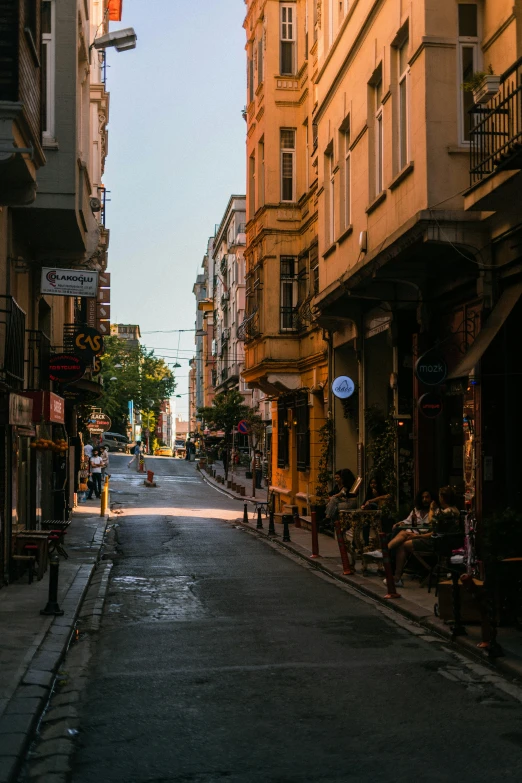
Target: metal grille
x=250 y=326
x=38 y=355
x=12 y=343
x=496 y=128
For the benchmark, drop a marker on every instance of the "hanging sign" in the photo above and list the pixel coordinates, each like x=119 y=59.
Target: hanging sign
x=343 y=387
x=68 y=282
x=431 y=369
x=431 y=405
x=98 y=423
x=96 y=365
x=243 y=427
x=65 y=368
x=88 y=343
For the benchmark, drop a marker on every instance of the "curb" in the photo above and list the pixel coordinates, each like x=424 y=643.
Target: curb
x=221 y=488
x=28 y=702
x=412 y=614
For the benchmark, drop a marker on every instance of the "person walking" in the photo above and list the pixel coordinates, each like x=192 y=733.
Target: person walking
x=96 y=471
x=136 y=452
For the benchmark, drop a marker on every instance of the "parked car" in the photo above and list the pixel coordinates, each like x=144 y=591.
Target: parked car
x=163 y=451
x=115 y=441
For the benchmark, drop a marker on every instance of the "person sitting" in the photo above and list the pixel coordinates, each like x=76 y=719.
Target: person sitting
x=376 y=497
x=344 y=480
x=412 y=542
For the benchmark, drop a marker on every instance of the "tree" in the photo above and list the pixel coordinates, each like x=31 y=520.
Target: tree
x=133 y=373
x=227 y=410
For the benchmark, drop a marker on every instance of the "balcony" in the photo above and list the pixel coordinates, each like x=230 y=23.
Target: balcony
x=12 y=343
x=496 y=134
x=38 y=355
x=249 y=329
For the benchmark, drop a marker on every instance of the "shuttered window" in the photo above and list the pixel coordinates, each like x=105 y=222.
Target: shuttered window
x=282 y=434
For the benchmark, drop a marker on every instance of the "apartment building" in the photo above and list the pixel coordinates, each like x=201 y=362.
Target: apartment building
x=285 y=353
x=229 y=298
x=382 y=225
x=53 y=142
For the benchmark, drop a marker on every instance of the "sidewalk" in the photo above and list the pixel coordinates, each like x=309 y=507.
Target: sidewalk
x=236 y=474
x=415 y=603
x=32 y=645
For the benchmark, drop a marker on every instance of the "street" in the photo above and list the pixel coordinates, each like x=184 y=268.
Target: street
x=221 y=659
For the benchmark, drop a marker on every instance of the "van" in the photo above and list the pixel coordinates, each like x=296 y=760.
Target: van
x=115 y=441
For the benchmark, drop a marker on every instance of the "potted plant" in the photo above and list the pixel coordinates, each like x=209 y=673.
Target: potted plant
x=483 y=85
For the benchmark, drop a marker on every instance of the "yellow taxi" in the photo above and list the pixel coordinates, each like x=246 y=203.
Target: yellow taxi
x=163 y=451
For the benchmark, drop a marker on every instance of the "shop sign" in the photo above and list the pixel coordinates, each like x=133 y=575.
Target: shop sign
x=431 y=405
x=47 y=407
x=98 y=423
x=65 y=368
x=20 y=411
x=68 y=282
x=96 y=365
x=431 y=369
x=343 y=387
x=88 y=343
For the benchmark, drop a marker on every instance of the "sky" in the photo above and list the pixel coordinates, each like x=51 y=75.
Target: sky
x=176 y=154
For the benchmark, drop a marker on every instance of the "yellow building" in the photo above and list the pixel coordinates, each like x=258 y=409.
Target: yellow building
x=285 y=354
x=366 y=245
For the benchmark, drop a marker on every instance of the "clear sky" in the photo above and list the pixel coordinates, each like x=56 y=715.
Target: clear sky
x=176 y=154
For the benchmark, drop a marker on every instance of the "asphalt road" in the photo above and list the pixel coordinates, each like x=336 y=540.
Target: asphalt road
x=221 y=659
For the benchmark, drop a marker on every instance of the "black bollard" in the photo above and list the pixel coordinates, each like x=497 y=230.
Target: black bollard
x=52 y=599
x=457 y=627
x=245 y=515
x=259 y=525
x=287 y=518
x=271 y=525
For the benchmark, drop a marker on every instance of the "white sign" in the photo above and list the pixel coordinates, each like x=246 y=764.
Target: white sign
x=69 y=282
x=343 y=387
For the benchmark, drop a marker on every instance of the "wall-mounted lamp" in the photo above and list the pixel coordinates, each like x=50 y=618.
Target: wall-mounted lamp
x=120 y=39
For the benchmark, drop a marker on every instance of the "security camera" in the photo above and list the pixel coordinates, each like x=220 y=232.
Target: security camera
x=120 y=39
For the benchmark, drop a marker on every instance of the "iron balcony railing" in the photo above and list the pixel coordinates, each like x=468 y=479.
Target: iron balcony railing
x=38 y=355
x=496 y=128
x=12 y=343
x=289 y=319
x=249 y=329
x=103 y=195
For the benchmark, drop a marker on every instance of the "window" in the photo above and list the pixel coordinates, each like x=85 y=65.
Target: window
x=261 y=174
x=288 y=40
x=314 y=270
x=378 y=140
x=302 y=431
x=282 y=434
x=250 y=78
x=402 y=63
x=288 y=275
x=251 y=186
x=346 y=201
x=260 y=61
x=287 y=164
x=330 y=195
x=30 y=21
x=468 y=63
x=48 y=69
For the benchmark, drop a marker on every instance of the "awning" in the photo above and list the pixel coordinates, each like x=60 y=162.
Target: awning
x=496 y=320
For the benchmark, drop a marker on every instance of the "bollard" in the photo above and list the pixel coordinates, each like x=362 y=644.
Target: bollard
x=150 y=476
x=347 y=569
x=245 y=515
x=390 y=581
x=259 y=525
x=141 y=464
x=52 y=599
x=297 y=519
x=271 y=525
x=287 y=518
x=315 y=536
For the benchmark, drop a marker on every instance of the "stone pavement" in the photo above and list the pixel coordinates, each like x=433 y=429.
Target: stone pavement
x=32 y=645
x=415 y=602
